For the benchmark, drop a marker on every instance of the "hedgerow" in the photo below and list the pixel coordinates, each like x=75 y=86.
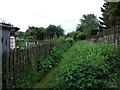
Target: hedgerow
x=88 y=65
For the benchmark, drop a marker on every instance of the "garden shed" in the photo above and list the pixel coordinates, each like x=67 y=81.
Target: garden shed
x=6 y=30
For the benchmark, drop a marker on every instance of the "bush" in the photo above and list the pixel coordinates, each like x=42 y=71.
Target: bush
x=88 y=65
x=111 y=52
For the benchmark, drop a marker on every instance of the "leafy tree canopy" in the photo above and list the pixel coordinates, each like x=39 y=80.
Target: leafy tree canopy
x=77 y=35
x=20 y=34
x=54 y=31
x=88 y=23
x=111 y=14
x=40 y=33
x=35 y=33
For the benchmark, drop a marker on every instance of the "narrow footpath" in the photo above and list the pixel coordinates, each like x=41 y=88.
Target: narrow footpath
x=50 y=80
x=47 y=79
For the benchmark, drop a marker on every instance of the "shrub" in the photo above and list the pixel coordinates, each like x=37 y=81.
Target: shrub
x=88 y=65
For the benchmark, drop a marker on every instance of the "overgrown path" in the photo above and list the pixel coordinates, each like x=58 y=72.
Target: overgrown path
x=50 y=80
x=85 y=65
x=46 y=79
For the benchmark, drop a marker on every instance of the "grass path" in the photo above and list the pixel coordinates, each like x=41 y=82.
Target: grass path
x=84 y=69
x=46 y=79
x=50 y=80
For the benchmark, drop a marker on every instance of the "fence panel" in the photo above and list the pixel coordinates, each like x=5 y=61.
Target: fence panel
x=111 y=35
x=20 y=58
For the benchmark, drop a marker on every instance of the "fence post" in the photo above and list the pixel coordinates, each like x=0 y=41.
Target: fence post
x=0 y=71
x=14 y=62
x=24 y=64
x=7 y=69
x=11 y=66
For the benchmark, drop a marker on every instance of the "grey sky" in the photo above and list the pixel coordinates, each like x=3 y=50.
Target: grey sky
x=24 y=13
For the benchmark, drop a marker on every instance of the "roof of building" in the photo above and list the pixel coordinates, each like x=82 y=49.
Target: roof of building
x=8 y=26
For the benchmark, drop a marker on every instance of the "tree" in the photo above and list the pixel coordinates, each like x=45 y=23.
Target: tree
x=111 y=14
x=35 y=33
x=60 y=31
x=54 y=31
x=20 y=34
x=88 y=23
x=77 y=35
x=40 y=33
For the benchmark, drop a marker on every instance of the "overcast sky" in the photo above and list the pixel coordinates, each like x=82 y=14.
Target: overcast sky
x=41 y=13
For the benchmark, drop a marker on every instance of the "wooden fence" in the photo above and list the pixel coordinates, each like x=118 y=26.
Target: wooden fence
x=20 y=58
x=111 y=35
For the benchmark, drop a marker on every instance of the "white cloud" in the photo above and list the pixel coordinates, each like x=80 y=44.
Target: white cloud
x=24 y=13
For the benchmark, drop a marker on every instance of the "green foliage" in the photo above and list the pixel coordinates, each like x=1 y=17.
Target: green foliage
x=20 y=43
x=40 y=33
x=84 y=67
x=26 y=80
x=111 y=14
x=88 y=65
x=20 y=34
x=88 y=22
x=35 y=73
x=35 y=33
x=77 y=35
x=45 y=64
x=113 y=61
x=54 y=31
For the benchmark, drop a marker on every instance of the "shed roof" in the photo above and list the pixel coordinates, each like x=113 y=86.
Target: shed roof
x=8 y=26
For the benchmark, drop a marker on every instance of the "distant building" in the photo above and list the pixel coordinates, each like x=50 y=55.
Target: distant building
x=6 y=30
